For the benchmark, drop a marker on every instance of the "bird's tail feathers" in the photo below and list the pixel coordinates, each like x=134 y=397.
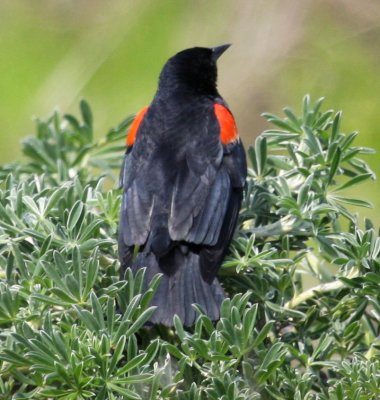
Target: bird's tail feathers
x=178 y=291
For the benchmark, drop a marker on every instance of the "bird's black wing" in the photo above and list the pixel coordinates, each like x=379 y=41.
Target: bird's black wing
x=211 y=257
x=207 y=195
x=200 y=192
x=137 y=202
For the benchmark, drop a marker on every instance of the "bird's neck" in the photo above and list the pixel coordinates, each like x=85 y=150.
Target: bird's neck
x=176 y=90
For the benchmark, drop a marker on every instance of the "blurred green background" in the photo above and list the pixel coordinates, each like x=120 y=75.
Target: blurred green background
x=53 y=52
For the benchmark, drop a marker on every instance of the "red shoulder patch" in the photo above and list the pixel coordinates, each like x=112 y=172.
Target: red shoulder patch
x=228 y=130
x=132 y=131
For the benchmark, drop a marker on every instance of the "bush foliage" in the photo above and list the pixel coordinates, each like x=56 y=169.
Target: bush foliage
x=302 y=276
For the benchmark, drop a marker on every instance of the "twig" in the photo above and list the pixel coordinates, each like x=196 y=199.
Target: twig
x=322 y=288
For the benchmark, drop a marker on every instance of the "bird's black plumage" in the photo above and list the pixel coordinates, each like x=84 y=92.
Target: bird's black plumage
x=182 y=189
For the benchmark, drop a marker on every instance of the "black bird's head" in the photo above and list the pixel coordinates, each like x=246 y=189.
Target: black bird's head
x=192 y=70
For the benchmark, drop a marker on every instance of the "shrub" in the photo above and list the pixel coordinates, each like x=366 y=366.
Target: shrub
x=302 y=318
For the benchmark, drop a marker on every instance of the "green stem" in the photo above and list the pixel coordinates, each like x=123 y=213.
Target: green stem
x=284 y=226
x=321 y=288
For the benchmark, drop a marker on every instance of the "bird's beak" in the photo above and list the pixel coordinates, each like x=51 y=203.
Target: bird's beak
x=219 y=50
